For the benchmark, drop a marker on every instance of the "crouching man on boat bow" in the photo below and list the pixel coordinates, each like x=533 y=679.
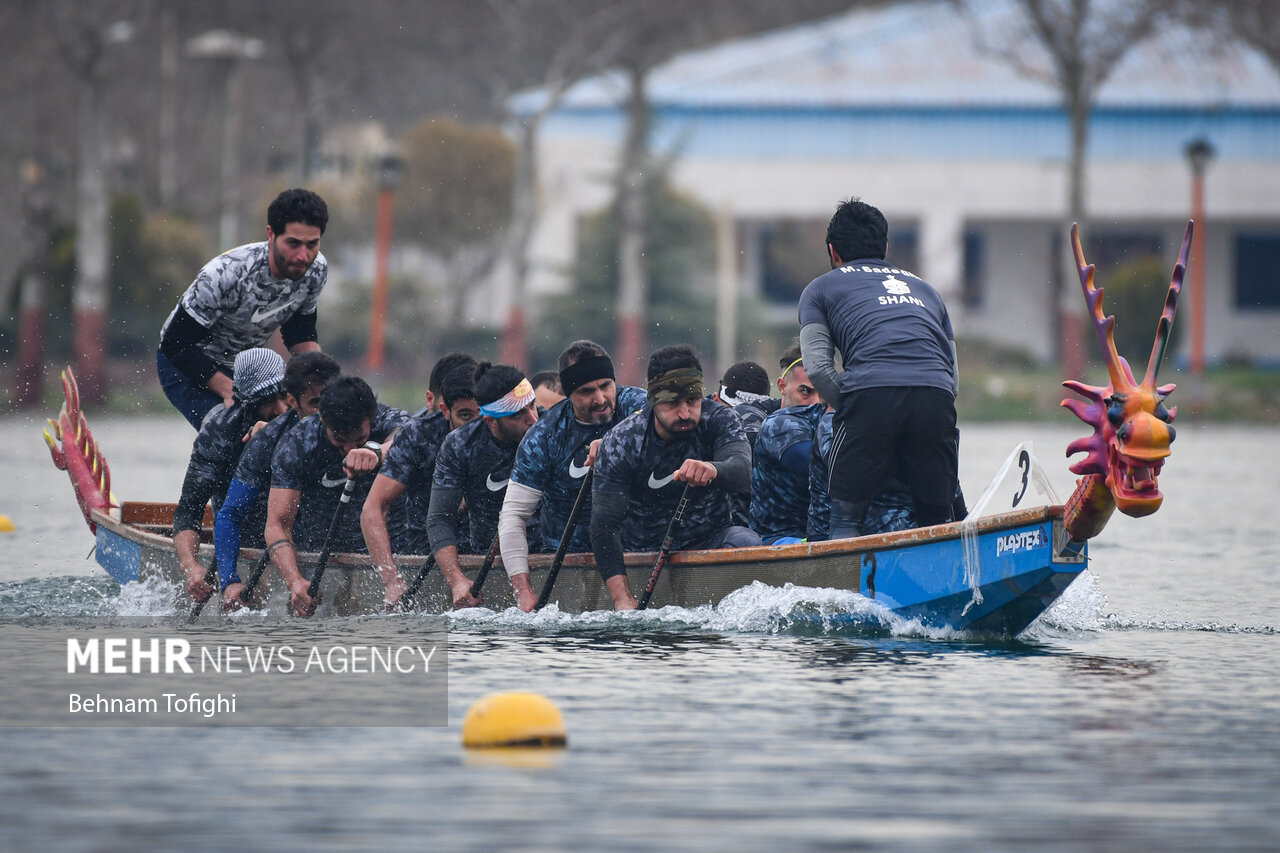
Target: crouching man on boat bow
x=347 y=438
x=645 y=464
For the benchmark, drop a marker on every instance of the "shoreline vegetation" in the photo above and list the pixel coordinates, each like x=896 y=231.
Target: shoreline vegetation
x=993 y=388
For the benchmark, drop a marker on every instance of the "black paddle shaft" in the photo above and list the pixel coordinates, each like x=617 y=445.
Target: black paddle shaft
x=246 y=592
x=421 y=576
x=583 y=491
x=350 y=487
x=665 y=553
x=478 y=583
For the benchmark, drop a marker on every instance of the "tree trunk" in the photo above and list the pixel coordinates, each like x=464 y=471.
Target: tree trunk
x=91 y=299
x=37 y=223
x=633 y=215
x=524 y=212
x=1069 y=305
x=28 y=379
x=167 y=161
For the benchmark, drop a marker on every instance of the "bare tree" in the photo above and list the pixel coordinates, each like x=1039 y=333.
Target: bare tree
x=1074 y=45
x=1253 y=21
x=85 y=33
x=587 y=39
x=34 y=277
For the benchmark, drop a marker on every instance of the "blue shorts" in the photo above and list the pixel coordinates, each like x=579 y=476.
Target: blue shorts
x=192 y=400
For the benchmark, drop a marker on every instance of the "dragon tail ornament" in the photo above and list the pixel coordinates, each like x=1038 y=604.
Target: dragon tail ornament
x=1132 y=428
x=75 y=451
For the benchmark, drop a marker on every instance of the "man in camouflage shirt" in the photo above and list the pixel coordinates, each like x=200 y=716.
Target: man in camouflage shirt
x=348 y=437
x=217 y=448
x=474 y=467
x=405 y=479
x=646 y=461
x=555 y=456
x=239 y=299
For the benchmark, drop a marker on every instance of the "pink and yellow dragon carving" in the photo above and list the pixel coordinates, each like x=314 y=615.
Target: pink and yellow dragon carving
x=1132 y=429
x=74 y=450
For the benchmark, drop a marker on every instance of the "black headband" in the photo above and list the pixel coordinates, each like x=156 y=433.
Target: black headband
x=588 y=369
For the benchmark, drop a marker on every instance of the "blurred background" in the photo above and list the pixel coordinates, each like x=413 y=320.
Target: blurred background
x=509 y=175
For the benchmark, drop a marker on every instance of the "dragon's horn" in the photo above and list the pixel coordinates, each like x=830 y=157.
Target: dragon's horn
x=1170 y=306
x=1104 y=326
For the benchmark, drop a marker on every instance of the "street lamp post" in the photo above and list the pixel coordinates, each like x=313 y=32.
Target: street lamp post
x=389 y=169
x=1199 y=152
x=230 y=49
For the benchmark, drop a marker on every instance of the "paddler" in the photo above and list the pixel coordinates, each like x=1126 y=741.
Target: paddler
x=645 y=462
x=555 y=455
x=474 y=469
x=405 y=477
x=259 y=397
x=348 y=437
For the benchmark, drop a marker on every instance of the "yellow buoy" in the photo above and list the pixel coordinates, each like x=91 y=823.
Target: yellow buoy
x=513 y=719
x=6 y=526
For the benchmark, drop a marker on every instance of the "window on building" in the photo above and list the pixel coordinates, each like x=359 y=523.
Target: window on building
x=791 y=256
x=1257 y=279
x=1109 y=250
x=904 y=247
x=973 y=281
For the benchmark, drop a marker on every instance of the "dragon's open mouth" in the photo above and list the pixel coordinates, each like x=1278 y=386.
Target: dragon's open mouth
x=1134 y=483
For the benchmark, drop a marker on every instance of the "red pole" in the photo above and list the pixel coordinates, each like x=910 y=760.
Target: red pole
x=1197 y=263
x=378 y=311
x=515 y=342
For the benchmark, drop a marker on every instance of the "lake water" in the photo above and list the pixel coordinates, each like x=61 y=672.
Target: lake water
x=1141 y=713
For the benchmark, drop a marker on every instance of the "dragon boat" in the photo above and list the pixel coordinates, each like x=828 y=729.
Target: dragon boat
x=991 y=573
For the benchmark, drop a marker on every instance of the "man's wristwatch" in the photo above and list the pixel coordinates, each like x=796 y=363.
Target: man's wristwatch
x=376 y=448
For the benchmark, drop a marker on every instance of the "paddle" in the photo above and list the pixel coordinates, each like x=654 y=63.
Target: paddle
x=407 y=598
x=314 y=589
x=665 y=553
x=247 y=590
x=564 y=540
x=211 y=578
x=478 y=583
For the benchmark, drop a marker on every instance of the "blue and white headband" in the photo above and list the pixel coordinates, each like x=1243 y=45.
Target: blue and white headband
x=515 y=400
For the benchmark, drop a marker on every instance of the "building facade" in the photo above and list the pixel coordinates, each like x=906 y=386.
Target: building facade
x=913 y=108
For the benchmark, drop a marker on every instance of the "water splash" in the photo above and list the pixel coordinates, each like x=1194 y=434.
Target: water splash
x=1081 y=607
x=755 y=609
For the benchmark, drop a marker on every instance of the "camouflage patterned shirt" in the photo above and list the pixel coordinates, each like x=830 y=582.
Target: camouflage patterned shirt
x=214 y=455
x=237 y=299
x=552 y=459
x=254 y=468
x=634 y=473
x=475 y=467
x=780 y=472
x=306 y=462
x=411 y=461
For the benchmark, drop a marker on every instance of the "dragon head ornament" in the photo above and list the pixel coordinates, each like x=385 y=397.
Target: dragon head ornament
x=1132 y=428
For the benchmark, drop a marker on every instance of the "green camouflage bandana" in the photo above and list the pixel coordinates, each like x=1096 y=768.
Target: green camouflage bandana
x=683 y=383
